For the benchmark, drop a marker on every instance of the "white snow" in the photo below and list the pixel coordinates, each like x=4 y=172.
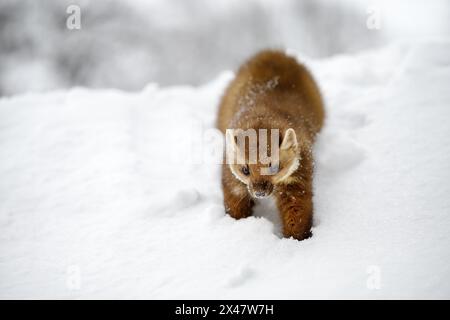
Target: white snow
x=103 y=193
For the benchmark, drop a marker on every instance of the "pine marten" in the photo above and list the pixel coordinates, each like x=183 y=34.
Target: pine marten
x=271 y=91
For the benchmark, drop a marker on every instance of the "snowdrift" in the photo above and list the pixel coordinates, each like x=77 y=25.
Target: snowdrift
x=103 y=194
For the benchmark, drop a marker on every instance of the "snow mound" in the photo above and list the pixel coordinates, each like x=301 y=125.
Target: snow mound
x=102 y=196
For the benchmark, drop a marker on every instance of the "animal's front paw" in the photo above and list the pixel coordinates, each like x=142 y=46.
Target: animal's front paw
x=296 y=224
x=302 y=235
x=239 y=210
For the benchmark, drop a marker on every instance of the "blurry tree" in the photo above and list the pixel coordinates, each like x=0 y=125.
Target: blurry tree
x=127 y=44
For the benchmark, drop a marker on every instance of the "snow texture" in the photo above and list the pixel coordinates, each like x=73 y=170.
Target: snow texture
x=101 y=195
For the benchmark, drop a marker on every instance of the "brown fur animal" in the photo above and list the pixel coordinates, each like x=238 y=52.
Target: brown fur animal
x=272 y=91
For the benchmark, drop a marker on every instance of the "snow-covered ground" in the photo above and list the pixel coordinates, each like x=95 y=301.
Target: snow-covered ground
x=103 y=194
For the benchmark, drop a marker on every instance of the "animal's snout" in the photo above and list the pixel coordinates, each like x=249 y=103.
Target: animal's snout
x=262 y=189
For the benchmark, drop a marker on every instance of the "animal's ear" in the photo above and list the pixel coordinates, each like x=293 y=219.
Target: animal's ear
x=232 y=149
x=230 y=140
x=289 y=140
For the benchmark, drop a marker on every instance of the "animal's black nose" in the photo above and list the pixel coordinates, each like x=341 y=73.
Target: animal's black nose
x=260 y=193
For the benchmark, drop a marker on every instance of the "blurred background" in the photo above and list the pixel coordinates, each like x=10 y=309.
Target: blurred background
x=128 y=44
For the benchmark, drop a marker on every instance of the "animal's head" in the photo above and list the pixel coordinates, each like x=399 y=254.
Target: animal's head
x=260 y=162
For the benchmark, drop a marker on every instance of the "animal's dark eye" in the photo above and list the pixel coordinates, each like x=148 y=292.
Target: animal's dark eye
x=274 y=168
x=245 y=170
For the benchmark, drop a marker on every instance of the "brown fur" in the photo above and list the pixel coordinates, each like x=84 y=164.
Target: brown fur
x=274 y=91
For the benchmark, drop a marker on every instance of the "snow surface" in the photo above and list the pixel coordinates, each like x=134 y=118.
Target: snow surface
x=101 y=195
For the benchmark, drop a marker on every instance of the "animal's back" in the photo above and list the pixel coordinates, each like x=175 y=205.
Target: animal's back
x=272 y=86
